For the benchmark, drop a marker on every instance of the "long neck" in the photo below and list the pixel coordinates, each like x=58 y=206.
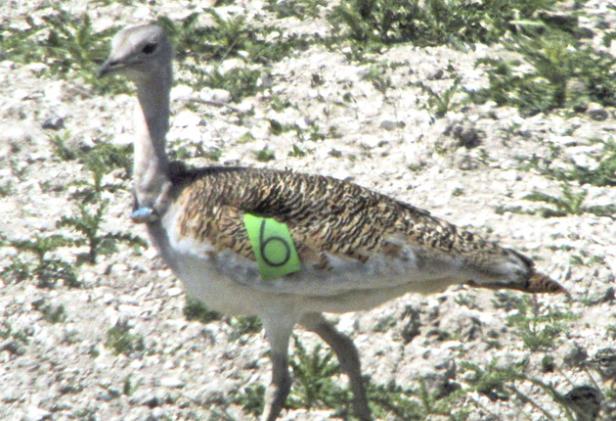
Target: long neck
x=151 y=165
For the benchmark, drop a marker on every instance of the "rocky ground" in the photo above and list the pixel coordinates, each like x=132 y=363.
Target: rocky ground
x=350 y=121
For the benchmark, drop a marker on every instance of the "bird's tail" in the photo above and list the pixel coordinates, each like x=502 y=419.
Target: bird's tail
x=513 y=270
x=538 y=282
x=535 y=284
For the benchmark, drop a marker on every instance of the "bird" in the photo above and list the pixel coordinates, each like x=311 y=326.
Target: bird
x=287 y=246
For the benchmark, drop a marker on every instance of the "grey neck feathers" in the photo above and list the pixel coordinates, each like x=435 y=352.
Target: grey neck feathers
x=151 y=165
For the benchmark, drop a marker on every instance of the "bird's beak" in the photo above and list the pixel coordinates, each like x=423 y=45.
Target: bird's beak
x=109 y=66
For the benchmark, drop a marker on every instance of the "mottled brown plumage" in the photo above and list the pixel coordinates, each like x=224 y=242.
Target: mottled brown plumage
x=323 y=215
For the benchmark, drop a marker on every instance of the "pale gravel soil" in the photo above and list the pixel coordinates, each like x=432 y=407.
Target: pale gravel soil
x=195 y=369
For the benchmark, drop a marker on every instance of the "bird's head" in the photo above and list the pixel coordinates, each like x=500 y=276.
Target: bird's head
x=139 y=52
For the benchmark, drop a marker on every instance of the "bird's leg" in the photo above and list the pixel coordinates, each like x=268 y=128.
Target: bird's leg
x=278 y=332
x=347 y=355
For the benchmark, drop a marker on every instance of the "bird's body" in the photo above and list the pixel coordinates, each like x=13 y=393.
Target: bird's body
x=355 y=248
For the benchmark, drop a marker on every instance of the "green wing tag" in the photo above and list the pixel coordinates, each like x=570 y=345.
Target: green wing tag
x=273 y=245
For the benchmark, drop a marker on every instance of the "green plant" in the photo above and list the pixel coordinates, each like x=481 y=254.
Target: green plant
x=88 y=223
x=109 y=156
x=371 y=24
x=213 y=154
x=61 y=150
x=377 y=74
x=239 y=81
x=492 y=380
x=121 y=341
x=499 y=382
x=265 y=154
x=440 y=104
x=538 y=329
x=564 y=74
x=46 y=270
x=244 y=325
x=91 y=191
x=313 y=386
x=67 y=45
x=297 y=8
x=277 y=128
x=91 y=207
x=195 y=309
x=228 y=37
x=251 y=399
x=98 y=160
x=604 y=174
x=569 y=203
x=392 y=401
x=297 y=152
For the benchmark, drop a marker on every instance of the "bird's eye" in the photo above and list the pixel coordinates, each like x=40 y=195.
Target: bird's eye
x=149 y=48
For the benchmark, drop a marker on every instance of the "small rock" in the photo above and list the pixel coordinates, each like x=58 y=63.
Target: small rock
x=464 y=161
x=437 y=75
x=370 y=141
x=35 y=413
x=149 y=398
x=439 y=382
x=265 y=81
x=465 y=323
x=172 y=382
x=221 y=96
x=575 y=356
x=411 y=325
x=389 y=124
x=11 y=395
x=107 y=395
x=14 y=135
x=585 y=401
x=12 y=347
x=53 y=122
x=187 y=118
x=605 y=363
x=467 y=136
x=597 y=112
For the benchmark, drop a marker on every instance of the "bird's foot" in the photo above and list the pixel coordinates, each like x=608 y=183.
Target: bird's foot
x=144 y=215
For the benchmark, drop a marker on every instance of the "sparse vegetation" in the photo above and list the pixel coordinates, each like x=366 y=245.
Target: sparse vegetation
x=265 y=154
x=229 y=37
x=120 y=340
x=87 y=222
x=313 y=374
x=563 y=74
x=196 y=310
x=244 y=325
x=603 y=174
x=67 y=45
x=47 y=270
x=538 y=328
x=300 y=9
x=374 y=24
x=570 y=202
x=440 y=104
x=239 y=81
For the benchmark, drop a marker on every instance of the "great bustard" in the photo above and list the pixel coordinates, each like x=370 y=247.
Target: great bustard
x=286 y=246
